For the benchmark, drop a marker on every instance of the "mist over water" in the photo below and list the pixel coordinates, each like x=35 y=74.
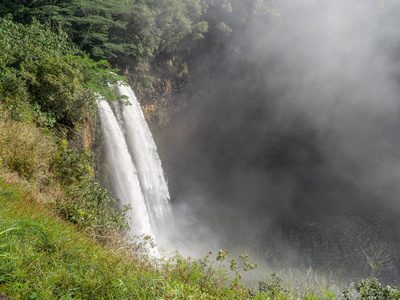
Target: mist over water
x=290 y=147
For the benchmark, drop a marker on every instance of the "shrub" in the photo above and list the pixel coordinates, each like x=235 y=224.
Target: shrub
x=369 y=289
x=219 y=277
x=91 y=207
x=42 y=77
x=86 y=202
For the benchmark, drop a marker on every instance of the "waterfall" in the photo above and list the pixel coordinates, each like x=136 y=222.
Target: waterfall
x=135 y=170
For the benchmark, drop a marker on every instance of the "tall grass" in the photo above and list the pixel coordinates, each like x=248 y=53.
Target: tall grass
x=43 y=257
x=57 y=174
x=25 y=149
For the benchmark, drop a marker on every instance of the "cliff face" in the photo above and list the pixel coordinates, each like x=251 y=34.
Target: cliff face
x=162 y=87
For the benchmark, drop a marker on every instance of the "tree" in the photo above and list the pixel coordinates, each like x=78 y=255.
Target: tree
x=112 y=28
x=41 y=72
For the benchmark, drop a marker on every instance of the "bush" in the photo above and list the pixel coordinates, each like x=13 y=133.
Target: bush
x=86 y=202
x=220 y=277
x=71 y=165
x=369 y=289
x=44 y=78
x=91 y=207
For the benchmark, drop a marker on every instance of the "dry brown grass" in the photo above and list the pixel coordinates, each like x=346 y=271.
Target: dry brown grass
x=26 y=149
x=26 y=153
x=36 y=191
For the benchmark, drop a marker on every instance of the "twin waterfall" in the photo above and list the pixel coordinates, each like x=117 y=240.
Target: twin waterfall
x=135 y=170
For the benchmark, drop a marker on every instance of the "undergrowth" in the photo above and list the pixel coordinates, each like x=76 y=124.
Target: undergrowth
x=42 y=159
x=42 y=257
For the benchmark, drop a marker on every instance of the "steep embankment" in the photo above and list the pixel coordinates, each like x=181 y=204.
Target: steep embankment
x=44 y=257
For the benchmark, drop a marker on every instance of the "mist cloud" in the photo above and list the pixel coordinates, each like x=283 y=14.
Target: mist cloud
x=292 y=139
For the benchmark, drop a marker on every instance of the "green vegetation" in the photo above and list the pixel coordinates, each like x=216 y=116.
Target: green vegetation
x=367 y=289
x=137 y=29
x=47 y=89
x=43 y=78
x=107 y=29
x=59 y=229
x=42 y=257
x=133 y=35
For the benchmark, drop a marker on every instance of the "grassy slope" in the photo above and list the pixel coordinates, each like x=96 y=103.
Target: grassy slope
x=45 y=257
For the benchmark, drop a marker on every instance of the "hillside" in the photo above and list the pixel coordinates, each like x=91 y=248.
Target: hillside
x=44 y=257
x=61 y=232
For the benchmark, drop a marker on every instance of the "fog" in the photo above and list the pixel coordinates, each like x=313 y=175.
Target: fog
x=289 y=149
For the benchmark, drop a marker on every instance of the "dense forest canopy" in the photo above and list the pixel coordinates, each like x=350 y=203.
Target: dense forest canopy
x=137 y=29
x=87 y=35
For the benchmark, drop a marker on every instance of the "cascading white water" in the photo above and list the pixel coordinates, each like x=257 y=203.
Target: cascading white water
x=136 y=173
x=145 y=156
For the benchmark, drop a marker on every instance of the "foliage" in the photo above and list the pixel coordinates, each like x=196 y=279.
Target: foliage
x=43 y=258
x=366 y=289
x=372 y=289
x=212 y=276
x=91 y=206
x=226 y=17
x=129 y=33
x=87 y=22
x=274 y=288
x=107 y=29
x=86 y=202
x=45 y=82
x=298 y=284
x=72 y=166
x=44 y=79
x=377 y=259
x=30 y=152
